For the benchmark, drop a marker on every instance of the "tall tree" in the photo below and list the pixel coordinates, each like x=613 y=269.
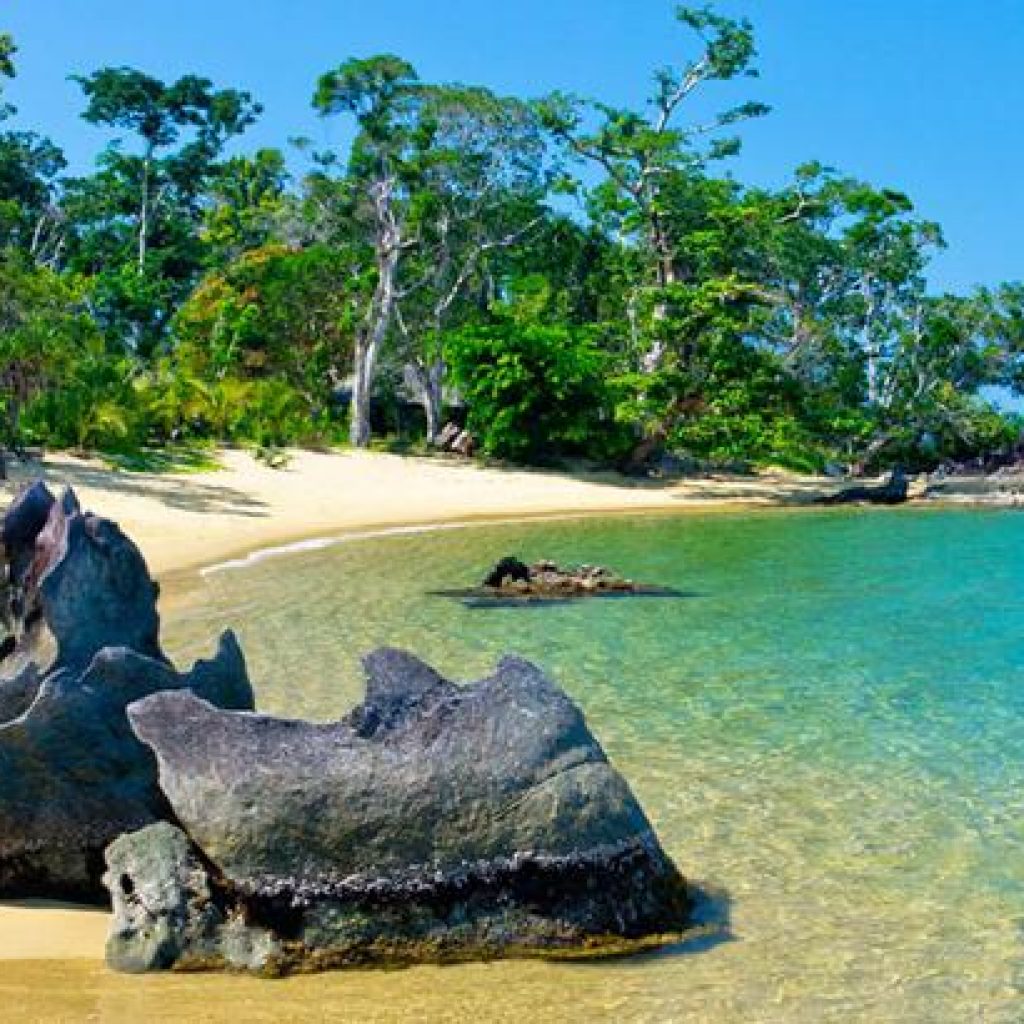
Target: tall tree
x=641 y=153
x=438 y=177
x=380 y=93
x=151 y=199
x=479 y=190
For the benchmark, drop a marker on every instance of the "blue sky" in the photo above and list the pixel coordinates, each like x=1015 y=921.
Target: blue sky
x=923 y=95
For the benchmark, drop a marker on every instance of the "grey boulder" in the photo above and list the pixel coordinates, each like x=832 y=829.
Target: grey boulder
x=434 y=822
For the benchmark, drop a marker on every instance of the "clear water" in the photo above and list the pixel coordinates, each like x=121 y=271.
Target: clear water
x=828 y=734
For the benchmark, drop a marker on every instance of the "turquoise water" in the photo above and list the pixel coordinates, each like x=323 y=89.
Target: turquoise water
x=827 y=731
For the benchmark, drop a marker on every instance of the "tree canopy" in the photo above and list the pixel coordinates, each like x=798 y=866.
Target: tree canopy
x=566 y=277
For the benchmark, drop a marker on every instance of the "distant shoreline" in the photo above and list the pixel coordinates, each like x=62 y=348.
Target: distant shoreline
x=243 y=511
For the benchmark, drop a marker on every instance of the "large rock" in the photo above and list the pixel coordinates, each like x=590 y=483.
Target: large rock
x=434 y=822
x=73 y=776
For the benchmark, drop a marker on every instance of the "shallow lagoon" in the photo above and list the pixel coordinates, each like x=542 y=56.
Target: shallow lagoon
x=828 y=733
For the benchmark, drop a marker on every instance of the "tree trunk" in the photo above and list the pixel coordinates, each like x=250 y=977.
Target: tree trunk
x=381 y=313
x=144 y=210
x=368 y=350
x=430 y=384
x=359 y=424
x=667 y=276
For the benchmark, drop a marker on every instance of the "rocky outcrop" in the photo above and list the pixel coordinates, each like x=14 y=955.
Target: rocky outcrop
x=511 y=581
x=895 y=491
x=84 y=644
x=435 y=822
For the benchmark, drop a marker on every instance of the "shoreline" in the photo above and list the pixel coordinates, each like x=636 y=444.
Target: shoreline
x=185 y=522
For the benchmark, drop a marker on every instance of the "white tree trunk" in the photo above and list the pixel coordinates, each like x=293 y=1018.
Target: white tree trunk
x=388 y=244
x=144 y=210
x=430 y=384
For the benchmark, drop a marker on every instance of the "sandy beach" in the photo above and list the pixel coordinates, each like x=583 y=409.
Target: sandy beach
x=186 y=520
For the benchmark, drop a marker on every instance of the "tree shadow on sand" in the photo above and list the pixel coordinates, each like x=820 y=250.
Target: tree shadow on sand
x=177 y=491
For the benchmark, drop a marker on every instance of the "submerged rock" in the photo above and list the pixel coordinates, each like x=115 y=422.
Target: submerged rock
x=435 y=822
x=73 y=776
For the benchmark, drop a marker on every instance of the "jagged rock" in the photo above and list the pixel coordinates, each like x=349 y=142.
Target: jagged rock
x=73 y=776
x=895 y=491
x=434 y=822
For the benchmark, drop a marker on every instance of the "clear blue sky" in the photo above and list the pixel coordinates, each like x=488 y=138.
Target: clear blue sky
x=923 y=95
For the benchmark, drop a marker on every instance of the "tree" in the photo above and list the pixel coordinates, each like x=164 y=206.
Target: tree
x=151 y=199
x=43 y=325
x=30 y=217
x=29 y=167
x=437 y=178
x=275 y=312
x=246 y=196
x=641 y=154
x=380 y=94
x=479 y=190
x=535 y=387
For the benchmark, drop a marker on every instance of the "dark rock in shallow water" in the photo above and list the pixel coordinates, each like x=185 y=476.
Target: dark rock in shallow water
x=73 y=776
x=507 y=571
x=434 y=823
x=513 y=582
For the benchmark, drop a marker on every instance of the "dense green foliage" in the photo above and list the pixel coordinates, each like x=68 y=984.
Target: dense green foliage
x=567 y=277
x=532 y=388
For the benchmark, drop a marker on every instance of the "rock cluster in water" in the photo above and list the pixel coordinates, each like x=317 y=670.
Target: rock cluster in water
x=434 y=822
x=83 y=645
x=511 y=581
